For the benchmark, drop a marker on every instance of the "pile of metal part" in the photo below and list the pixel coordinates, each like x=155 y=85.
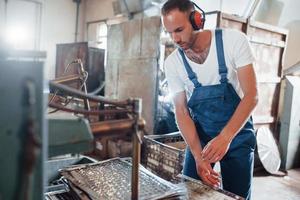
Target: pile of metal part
x=111 y=179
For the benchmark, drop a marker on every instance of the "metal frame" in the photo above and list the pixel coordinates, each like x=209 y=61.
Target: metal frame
x=134 y=123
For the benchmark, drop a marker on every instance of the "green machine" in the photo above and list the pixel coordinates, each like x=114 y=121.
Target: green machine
x=23 y=132
x=68 y=134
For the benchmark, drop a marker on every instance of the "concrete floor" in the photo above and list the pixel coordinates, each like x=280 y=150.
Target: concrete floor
x=267 y=187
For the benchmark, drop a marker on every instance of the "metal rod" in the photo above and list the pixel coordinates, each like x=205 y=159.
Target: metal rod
x=74 y=92
x=137 y=106
x=68 y=78
x=82 y=71
x=112 y=125
x=135 y=167
x=87 y=112
x=77 y=17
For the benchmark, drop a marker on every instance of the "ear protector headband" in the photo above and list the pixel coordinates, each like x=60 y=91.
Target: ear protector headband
x=197 y=19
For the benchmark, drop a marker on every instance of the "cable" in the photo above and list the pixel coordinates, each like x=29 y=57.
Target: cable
x=80 y=71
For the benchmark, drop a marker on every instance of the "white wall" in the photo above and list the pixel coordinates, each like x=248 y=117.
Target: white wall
x=59 y=18
x=57 y=25
x=18 y=29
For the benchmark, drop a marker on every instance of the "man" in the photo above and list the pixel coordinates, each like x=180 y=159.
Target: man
x=213 y=84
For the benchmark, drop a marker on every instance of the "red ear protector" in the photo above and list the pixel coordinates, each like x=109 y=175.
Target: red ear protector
x=197 y=19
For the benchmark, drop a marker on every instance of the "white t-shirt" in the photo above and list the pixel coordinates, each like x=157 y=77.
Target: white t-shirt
x=237 y=53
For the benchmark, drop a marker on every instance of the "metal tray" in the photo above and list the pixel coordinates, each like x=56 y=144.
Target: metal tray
x=111 y=179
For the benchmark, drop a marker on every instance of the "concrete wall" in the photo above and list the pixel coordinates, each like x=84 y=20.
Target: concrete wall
x=99 y=9
x=132 y=64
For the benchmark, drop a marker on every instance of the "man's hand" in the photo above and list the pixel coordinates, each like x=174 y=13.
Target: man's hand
x=216 y=148
x=207 y=174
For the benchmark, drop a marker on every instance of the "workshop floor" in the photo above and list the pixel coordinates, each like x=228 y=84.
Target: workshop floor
x=267 y=187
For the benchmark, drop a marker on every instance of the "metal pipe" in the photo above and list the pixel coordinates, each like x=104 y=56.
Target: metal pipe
x=82 y=71
x=74 y=92
x=77 y=17
x=112 y=125
x=86 y=112
x=67 y=78
x=137 y=106
x=135 y=167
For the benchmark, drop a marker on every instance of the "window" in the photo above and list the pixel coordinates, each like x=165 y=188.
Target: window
x=102 y=35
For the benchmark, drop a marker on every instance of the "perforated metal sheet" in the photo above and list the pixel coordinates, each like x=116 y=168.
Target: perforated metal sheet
x=112 y=180
x=196 y=190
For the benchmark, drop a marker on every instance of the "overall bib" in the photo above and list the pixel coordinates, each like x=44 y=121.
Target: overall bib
x=211 y=107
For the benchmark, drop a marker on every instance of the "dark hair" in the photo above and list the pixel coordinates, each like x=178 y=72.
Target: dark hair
x=181 y=5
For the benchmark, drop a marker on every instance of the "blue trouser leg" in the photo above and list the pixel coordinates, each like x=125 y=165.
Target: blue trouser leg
x=237 y=171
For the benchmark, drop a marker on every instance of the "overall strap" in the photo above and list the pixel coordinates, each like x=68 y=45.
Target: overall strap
x=220 y=54
x=192 y=76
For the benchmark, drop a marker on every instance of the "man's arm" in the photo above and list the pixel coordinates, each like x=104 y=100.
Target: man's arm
x=186 y=124
x=187 y=127
x=217 y=148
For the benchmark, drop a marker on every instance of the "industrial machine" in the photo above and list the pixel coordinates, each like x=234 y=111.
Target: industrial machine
x=133 y=123
x=24 y=133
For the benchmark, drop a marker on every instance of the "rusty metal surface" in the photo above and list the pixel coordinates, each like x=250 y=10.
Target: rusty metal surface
x=65 y=54
x=112 y=127
x=87 y=112
x=111 y=180
x=92 y=58
x=68 y=78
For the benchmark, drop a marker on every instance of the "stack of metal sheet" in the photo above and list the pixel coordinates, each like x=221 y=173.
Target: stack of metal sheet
x=111 y=179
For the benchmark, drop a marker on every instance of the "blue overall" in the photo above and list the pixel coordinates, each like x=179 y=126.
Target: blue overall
x=211 y=108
